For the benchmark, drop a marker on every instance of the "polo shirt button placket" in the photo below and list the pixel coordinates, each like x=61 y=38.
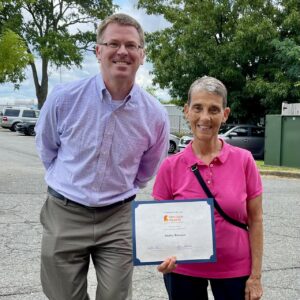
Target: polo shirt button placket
x=209 y=181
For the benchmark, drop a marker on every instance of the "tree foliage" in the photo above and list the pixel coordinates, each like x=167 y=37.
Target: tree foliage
x=13 y=57
x=251 y=45
x=51 y=30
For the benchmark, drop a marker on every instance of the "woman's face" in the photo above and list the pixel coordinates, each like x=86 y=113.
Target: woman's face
x=205 y=114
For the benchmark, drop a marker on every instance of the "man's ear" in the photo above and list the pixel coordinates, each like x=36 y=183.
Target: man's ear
x=143 y=56
x=98 y=52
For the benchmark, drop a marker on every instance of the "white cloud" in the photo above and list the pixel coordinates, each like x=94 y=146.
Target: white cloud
x=89 y=66
x=149 y=23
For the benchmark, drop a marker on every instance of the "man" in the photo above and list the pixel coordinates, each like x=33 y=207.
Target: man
x=100 y=139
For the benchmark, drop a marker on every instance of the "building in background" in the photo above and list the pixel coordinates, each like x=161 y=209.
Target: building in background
x=178 y=123
x=282 y=138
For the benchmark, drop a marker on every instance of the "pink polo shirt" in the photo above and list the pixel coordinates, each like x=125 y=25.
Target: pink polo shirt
x=233 y=179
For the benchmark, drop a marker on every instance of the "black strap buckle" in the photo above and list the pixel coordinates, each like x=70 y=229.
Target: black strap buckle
x=194 y=167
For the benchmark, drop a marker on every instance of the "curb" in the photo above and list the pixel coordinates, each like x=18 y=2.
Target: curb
x=280 y=173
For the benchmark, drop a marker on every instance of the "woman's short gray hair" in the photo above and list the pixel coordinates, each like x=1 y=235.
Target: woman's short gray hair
x=121 y=19
x=208 y=84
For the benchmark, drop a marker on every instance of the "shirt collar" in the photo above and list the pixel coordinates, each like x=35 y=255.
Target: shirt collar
x=101 y=86
x=191 y=159
x=104 y=92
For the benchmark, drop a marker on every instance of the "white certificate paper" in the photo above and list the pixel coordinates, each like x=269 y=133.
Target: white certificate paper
x=181 y=228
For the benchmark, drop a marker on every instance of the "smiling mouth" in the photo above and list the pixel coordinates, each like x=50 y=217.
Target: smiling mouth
x=122 y=63
x=203 y=128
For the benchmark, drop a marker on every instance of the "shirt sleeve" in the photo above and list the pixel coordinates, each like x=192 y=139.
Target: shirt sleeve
x=47 y=137
x=153 y=157
x=162 y=188
x=253 y=178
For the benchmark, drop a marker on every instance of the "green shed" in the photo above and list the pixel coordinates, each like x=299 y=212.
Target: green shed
x=282 y=140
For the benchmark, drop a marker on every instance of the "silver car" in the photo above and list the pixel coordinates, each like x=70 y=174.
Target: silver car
x=184 y=141
x=173 y=143
x=14 y=115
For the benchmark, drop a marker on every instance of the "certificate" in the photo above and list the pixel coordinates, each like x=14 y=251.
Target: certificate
x=181 y=228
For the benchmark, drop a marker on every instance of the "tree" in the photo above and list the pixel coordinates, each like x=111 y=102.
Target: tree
x=52 y=31
x=252 y=46
x=152 y=90
x=13 y=57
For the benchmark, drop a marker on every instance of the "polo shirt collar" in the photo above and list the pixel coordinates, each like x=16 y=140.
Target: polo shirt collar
x=191 y=159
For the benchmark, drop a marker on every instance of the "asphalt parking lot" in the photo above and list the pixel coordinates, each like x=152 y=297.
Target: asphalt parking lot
x=22 y=193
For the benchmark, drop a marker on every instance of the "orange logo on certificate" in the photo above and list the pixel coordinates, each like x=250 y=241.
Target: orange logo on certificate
x=173 y=218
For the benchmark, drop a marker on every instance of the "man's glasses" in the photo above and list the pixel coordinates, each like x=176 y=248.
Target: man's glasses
x=130 y=47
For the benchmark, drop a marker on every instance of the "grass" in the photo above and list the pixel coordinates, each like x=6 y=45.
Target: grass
x=261 y=165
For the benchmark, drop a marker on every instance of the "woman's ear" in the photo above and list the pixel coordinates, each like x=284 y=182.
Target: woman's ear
x=226 y=114
x=186 y=110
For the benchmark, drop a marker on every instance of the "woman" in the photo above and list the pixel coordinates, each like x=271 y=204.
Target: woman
x=232 y=177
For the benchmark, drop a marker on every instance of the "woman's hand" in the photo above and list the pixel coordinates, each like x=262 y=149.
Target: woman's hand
x=168 y=265
x=253 y=289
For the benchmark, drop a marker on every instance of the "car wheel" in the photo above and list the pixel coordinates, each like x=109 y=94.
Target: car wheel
x=14 y=127
x=172 y=147
x=31 y=131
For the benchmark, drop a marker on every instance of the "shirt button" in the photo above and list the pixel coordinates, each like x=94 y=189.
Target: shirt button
x=211 y=165
x=208 y=181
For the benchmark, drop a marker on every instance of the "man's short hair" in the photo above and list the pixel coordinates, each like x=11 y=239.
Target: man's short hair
x=210 y=85
x=121 y=19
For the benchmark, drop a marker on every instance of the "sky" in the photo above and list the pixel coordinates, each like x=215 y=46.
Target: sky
x=90 y=67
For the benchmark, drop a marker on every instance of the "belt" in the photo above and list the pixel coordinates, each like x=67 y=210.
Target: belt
x=59 y=196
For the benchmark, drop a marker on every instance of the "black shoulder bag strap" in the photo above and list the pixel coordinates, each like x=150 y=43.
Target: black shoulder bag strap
x=207 y=191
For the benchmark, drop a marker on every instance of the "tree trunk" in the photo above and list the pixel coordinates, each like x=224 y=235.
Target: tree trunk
x=41 y=90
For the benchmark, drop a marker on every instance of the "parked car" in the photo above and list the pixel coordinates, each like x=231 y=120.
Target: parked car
x=245 y=136
x=14 y=115
x=26 y=128
x=184 y=141
x=173 y=146
x=225 y=127
x=249 y=137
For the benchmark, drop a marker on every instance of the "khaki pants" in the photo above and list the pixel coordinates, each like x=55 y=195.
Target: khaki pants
x=71 y=236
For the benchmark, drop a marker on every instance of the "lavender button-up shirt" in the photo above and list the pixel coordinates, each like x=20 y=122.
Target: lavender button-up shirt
x=97 y=153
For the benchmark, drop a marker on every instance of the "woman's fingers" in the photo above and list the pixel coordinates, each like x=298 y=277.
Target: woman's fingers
x=168 y=265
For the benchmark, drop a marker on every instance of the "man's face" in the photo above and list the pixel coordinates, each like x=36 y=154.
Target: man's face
x=120 y=64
